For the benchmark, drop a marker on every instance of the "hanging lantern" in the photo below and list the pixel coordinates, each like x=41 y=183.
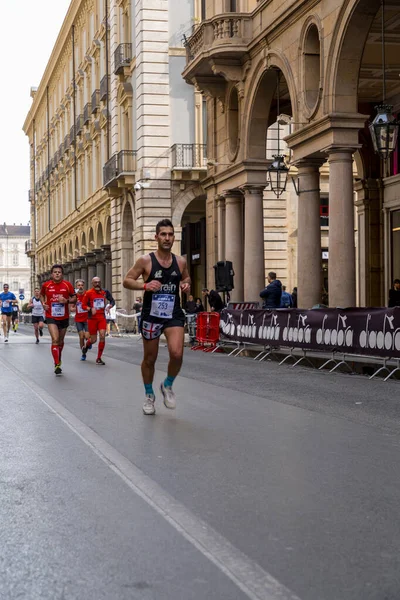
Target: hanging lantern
x=277 y=175
x=384 y=130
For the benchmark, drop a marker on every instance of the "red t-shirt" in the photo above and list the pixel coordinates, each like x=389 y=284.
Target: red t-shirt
x=81 y=315
x=97 y=300
x=51 y=291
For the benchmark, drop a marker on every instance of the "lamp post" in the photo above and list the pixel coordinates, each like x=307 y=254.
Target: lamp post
x=277 y=172
x=384 y=128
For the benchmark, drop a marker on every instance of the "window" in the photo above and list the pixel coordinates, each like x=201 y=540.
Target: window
x=15 y=285
x=203 y=9
x=324 y=211
x=15 y=260
x=232 y=6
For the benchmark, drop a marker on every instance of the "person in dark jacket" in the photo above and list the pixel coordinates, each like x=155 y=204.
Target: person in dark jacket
x=286 y=299
x=294 y=297
x=272 y=293
x=214 y=300
x=190 y=305
x=199 y=306
x=394 y=294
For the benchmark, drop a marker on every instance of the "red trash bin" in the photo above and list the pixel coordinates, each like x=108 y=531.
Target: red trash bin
x=207 y=332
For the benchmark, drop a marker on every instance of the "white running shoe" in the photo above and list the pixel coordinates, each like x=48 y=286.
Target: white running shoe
x=148 y=406
x=169 y=397
x=6 y=339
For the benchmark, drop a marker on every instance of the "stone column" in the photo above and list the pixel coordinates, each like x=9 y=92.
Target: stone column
x=342 y=280
x=76 y=265
x=254 y=269
x=68 y=271
x=309 y=254
x=100 y=267
x=107 y=267
x=84 y=271
x=234 y=240
x=221 y=228
x=90 y=258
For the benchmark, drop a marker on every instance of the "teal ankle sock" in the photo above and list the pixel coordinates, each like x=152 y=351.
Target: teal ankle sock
x=149 y=388
x=169 y=381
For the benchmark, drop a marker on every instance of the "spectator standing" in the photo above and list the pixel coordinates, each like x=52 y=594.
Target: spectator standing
x=286 y=299
x=198 y=306
x=190 y=306
x=137 y=307
x=394 y=294
x=272 y=293
x=294 y=297
x=111 y=320
x=214 y=299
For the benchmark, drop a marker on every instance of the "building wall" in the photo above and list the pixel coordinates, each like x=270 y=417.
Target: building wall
x=15 y=264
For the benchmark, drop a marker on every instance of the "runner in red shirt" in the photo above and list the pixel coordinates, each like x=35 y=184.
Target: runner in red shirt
x=81 y=316
x=97 y=302
x=56 y=295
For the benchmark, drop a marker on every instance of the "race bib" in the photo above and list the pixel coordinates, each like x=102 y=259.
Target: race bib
x=6 y=304
x=162 y=306
x=57 y=309
x=98 y=303
x=79 y=308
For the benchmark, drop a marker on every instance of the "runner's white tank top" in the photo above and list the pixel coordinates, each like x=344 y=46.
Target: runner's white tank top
x=37 y=309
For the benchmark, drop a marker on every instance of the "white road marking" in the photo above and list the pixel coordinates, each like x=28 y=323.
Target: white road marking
x=246 y=574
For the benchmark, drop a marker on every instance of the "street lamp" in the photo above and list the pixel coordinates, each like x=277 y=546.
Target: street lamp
x=384 y=128
x=277 y=172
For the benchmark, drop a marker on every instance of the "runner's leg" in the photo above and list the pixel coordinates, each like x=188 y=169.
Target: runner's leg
x=102 y=343
x=4 y=324
x=175 y=339
x=150 y=353
x=36 y=328
x=8 y=324
x=61 y=342
x=55 y=341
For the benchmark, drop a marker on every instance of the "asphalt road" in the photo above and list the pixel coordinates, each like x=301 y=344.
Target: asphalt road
x=267 y=482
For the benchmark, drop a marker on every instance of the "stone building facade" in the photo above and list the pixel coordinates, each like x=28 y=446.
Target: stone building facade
x=318 y=63
x=14 y=263
x=117 y=142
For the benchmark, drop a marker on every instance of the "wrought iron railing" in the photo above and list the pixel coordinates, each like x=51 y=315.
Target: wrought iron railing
x=95 y=103
x=121 y=163
x=72 y=134
x=122 y=57
x=29 y=246
x=66 y=143
x=87 y=111
x=104 y=84
x=189 y=156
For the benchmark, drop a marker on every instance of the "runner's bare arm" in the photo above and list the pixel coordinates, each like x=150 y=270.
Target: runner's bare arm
x=138 y=270
x=186 y=281
x=43 y=301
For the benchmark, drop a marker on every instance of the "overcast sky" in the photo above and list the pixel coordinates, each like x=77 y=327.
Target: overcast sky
x=30 y=29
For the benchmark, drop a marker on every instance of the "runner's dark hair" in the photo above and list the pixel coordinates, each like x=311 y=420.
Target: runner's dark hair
x=57 y=267
x=163 y=223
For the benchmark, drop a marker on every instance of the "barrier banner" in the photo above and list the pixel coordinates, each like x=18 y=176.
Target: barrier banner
x=372 y=331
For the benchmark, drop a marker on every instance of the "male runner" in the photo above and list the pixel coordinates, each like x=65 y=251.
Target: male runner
x=81 y=316
x=7 y=299
x=15 y=318
x=37 y=314
x=97 y=302
x=164 y=275
x=56 y=294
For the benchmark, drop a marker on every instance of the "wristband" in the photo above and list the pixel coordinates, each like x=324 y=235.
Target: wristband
x=144 y=286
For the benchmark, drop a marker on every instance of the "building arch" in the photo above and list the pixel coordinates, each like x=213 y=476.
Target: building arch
x=64 y=253
x=127 y=250
x=99 y=236
x=344 y=59
x=77 y=251
x=91 y=242
x=311 y=65
x=182 y=201
x=107 y=230
x=261 y=99
x=84 y=247
x=70 y=251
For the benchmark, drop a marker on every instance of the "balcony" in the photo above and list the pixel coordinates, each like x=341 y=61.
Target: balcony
x=189 y=161
x=95 y=103
x=122 y=58
x=72 y=134
x=30 y=248
x=225 y=37
x=87 y=111
x=104 y=85
x=119 y=172
x=66 y=143
x=79 y=125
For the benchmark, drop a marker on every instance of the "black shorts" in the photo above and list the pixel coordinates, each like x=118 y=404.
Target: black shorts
x=61 y=323
x=37 y=319
x=15 y=316
x=81 y=326
x=152 y=331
